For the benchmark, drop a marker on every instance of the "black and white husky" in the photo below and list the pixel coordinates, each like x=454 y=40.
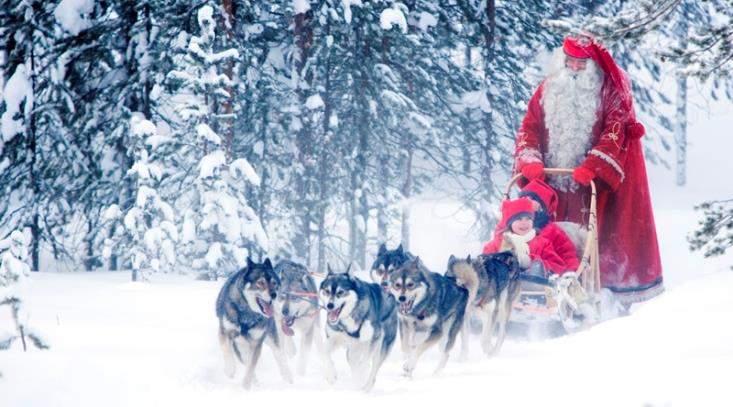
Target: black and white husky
x=493 y=285
x=245 y=311
x=431 y=310
x=386 y=262
x=361 y=317
x=297 y=311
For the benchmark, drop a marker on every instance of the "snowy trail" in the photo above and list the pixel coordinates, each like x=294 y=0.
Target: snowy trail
x=119 y=343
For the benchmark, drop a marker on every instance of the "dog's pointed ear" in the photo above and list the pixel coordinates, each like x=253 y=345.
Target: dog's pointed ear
x=382 y=249
x=348 y=271
x=451 y=260
x=468 y=259
x=250 y=264
x=506 y=258
x=267 y=263
x=399 y=249
x=328 y=269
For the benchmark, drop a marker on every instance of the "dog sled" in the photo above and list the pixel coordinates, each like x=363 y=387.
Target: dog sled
x=573 y=299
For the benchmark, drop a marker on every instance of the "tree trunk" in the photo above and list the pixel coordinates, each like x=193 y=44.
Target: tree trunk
x=32 y=137
x=89 y=262
x=407 y=194
x=324 y=166
x=227 y=105
x=680 y=126
x=304 y=141
x=486 y=222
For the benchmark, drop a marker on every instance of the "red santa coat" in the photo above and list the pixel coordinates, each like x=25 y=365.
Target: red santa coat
x=629 y=252
x=540 y=249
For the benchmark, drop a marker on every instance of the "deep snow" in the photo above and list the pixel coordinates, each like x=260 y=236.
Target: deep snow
x=123 y=344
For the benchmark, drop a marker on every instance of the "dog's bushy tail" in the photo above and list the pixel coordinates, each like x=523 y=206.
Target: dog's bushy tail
x=467 y=277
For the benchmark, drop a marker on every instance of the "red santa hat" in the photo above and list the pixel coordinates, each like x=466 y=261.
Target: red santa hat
x=586 y=47
x=540 y=191
x=512 y=210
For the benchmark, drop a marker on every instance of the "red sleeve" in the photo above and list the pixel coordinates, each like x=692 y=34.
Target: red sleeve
x=544 y=252
x=563 y=246
x=494 y=245
x=605 y=158
x=528 y=147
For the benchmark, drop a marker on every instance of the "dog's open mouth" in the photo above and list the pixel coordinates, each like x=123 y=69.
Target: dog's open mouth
x=287 y=326
x=406 y=307
x=333 y=315
x=265 y=307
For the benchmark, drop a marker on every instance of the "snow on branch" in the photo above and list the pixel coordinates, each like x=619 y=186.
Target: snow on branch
x=14 y=271
x=714 y=234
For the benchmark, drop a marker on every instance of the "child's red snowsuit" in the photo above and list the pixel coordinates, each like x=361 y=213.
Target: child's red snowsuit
x=540 y=191
x=540 y=249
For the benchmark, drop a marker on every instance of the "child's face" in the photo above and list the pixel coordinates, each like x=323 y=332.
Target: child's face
x=523 y=225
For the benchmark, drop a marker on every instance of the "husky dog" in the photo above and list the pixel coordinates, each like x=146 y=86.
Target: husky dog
x=386 y=262
x=492 y=283
x=431 y=307
x=296 y=309
x=361 y=317
x=245 y=312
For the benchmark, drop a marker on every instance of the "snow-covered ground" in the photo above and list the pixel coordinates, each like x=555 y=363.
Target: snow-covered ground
x=117 y=343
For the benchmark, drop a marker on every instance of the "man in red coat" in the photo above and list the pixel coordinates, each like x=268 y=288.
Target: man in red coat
x=582 y=117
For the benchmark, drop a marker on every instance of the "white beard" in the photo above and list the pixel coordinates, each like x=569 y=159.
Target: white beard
x=570 y=101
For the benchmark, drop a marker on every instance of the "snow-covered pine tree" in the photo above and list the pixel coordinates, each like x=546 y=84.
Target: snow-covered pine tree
x=262 y=99
x=715 y=231
x=37 y=156
x=218 y=223
x=14 y=271
x=506 y=38
x=150 y=223
x=118 y=70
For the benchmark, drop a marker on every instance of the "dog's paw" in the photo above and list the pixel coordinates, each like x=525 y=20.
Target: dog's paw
x=368 y=386
x=229 y=369
x=407 y=370
x=249 y=381
x=331 y=377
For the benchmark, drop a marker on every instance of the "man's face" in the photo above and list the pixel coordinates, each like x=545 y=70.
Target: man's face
x=575 y=64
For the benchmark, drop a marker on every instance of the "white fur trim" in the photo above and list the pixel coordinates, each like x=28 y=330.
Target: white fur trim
x=608 y=159
x=519 y=245
x=529 y=155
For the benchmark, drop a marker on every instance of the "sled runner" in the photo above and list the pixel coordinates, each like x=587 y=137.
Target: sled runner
x=573 y=299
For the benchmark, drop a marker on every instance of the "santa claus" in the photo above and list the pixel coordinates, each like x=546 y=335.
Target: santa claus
x=582 y=117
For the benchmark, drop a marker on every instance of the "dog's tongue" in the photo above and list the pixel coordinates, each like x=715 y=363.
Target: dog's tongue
x=266 y=307
x=286 y=328
x=333 y=315
x=405 y=307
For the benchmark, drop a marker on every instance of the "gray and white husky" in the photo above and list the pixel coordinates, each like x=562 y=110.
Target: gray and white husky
x=361 y=317
x=431 y=309
x=492 y=284
x=245 y=311
x=386 y=262
x=297 y=310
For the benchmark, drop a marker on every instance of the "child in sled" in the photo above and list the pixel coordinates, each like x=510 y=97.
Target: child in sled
x=535 y=253
x=537 y=256
x=545 y=201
